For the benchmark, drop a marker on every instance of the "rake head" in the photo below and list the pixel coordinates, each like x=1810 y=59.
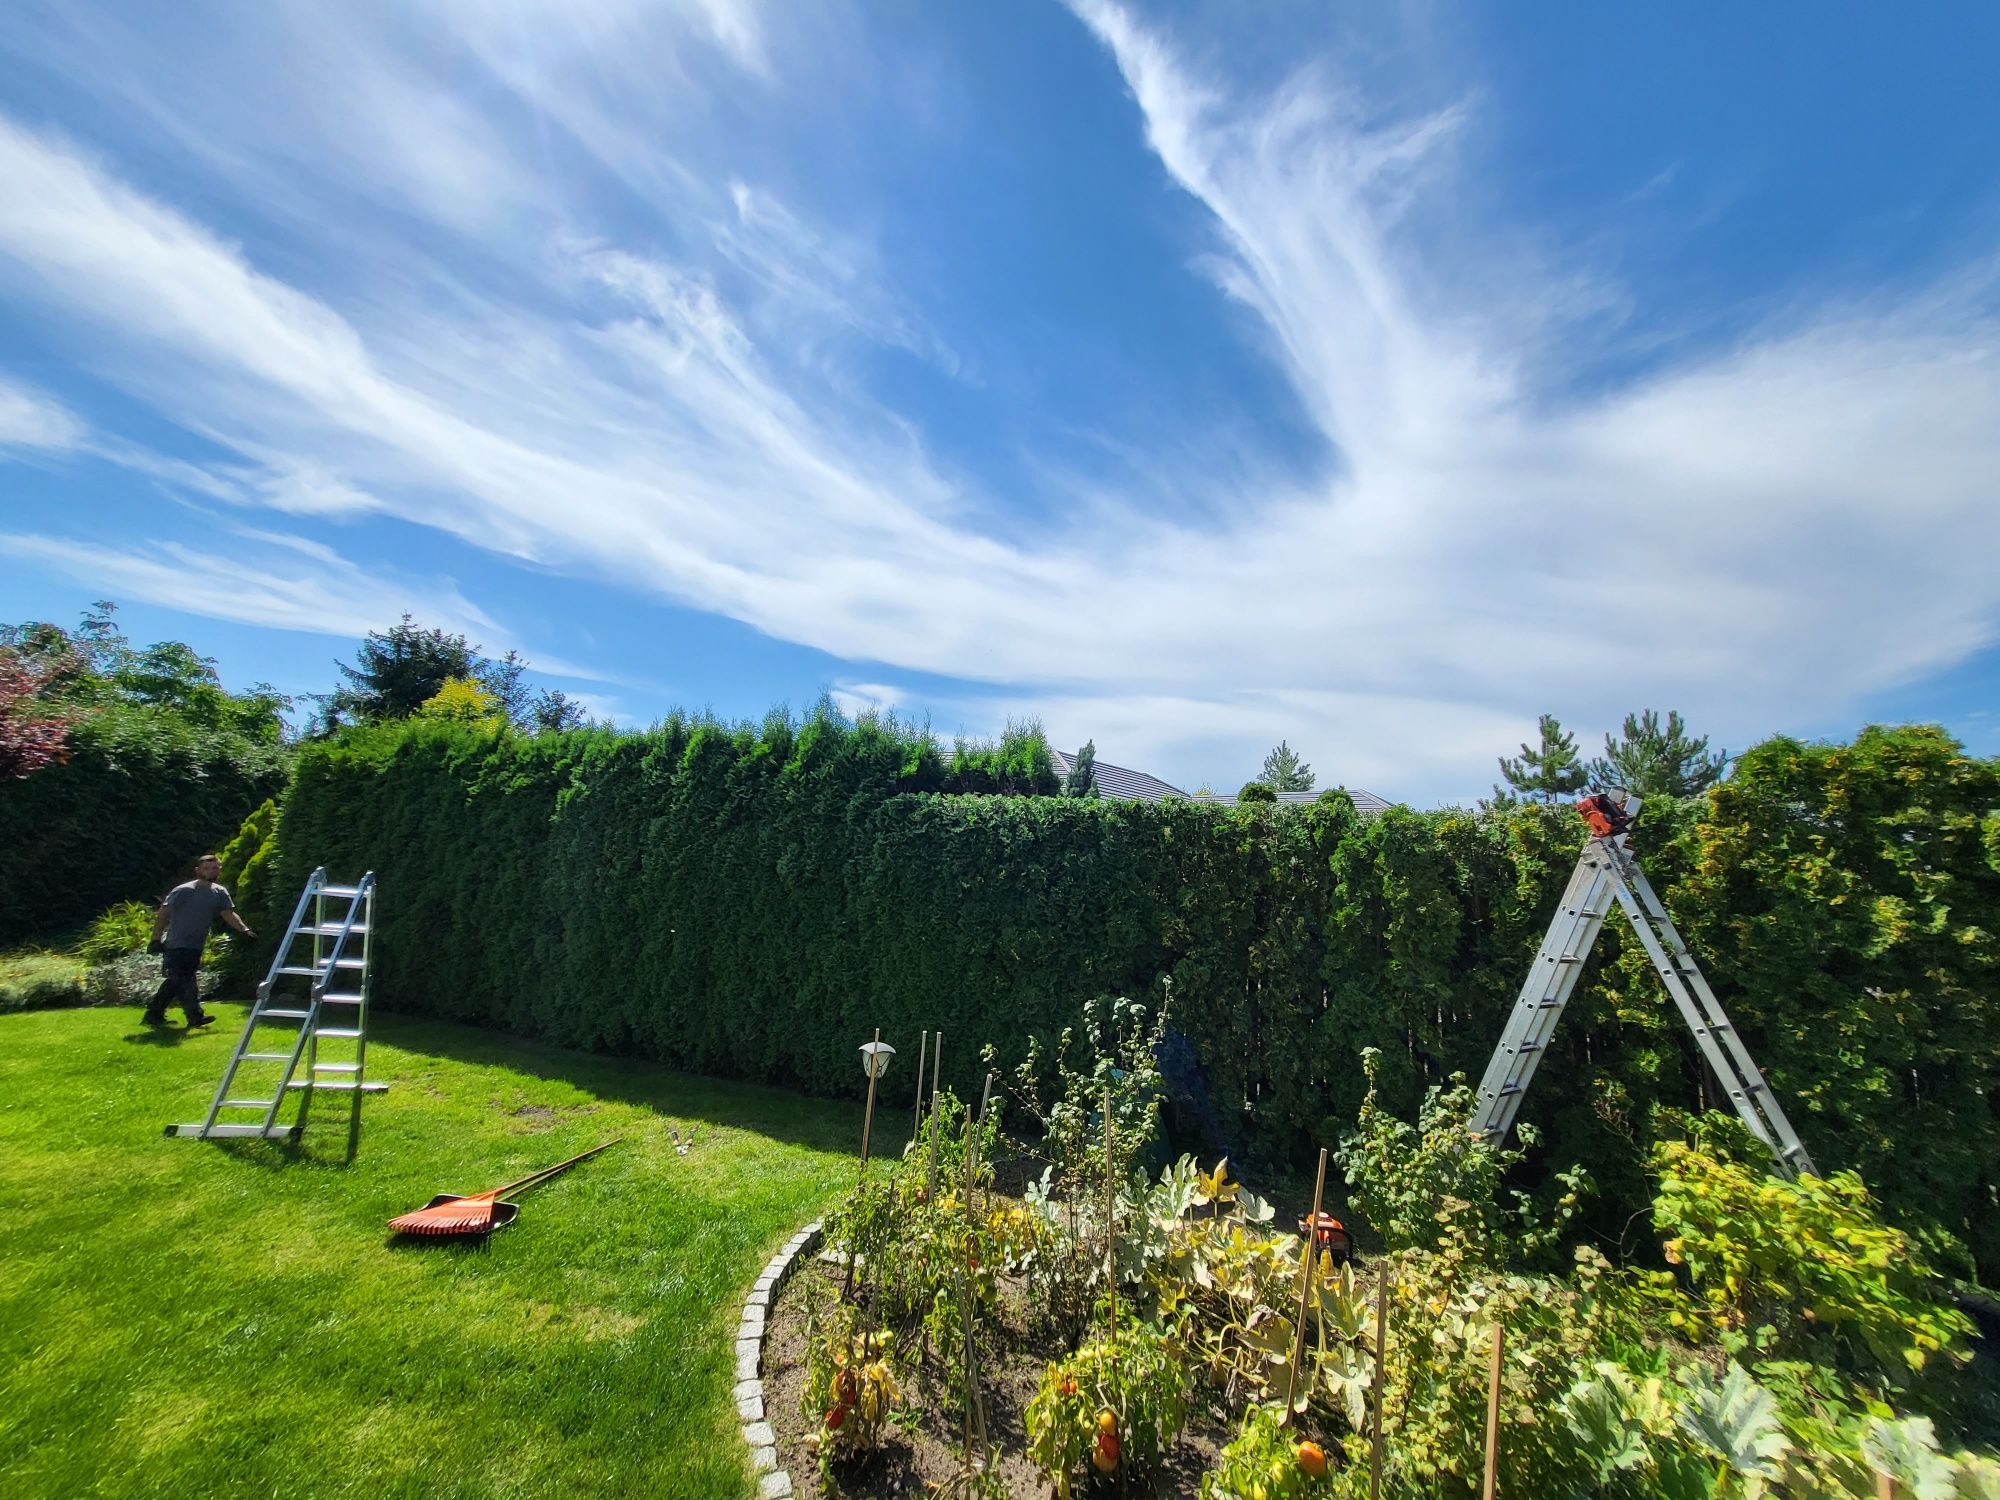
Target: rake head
x=449 y=1214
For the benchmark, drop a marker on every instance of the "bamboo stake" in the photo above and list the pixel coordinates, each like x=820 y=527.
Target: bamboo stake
x=917 y=1127
x=1885 y=1487
x=1307 y=1263
x=937 y=1070
x=1493 y=1411
x=1110 y=1223
x=1381 y=1359
x=975 y=1403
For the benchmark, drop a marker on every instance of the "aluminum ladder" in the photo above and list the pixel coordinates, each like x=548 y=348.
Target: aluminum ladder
x=326 y=944
x=1608 y=871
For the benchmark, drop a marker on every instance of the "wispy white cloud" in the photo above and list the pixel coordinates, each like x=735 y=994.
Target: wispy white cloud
x=1750 y=534
x=314 y=590
x=29 y=419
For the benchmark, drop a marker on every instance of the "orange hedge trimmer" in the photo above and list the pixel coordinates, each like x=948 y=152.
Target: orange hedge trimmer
x=449 y=1213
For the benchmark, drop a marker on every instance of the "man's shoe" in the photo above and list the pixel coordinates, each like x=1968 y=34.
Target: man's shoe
x=153 y=1018
x=200 y=1020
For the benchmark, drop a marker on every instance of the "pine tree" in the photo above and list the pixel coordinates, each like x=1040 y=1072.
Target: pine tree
x=1545 y=774
x=396 y=672
x=1655 y=760
x=1285 y=772
x=1082 y=778
x=554 y=711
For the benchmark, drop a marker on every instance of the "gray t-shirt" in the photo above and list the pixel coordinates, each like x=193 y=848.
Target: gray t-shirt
x=191 y=912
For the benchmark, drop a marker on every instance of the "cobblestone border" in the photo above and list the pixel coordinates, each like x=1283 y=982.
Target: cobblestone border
x=773 y=1483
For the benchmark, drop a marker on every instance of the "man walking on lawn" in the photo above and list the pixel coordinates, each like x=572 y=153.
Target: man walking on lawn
x=180 y=927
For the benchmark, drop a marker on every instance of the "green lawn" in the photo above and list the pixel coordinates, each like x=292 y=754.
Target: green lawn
x=206 y=1318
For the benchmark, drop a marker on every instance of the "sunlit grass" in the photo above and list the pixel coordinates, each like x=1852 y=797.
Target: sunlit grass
x=199 y=1318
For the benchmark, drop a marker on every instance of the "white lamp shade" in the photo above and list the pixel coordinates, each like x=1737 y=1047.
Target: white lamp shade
x=875 y=1058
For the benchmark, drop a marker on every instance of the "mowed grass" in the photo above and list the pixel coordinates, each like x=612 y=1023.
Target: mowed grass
x=201 y=1318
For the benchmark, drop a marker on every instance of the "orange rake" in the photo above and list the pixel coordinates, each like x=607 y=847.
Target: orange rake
x=449 y=1213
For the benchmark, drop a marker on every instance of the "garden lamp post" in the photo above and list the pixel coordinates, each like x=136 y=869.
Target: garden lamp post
x=875 y=1058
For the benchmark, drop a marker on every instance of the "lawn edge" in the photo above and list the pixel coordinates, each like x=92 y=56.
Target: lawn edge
x=773 y=1483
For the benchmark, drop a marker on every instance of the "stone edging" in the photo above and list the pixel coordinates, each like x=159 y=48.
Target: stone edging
x=773 y=1483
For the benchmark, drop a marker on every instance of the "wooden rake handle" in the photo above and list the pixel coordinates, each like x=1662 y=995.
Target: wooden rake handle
x=547 y=1172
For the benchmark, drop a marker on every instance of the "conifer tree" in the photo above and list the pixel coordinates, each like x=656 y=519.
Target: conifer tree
x=1285 y=772
x=1652 y=759
x=1545 y=773
x=1082 y=778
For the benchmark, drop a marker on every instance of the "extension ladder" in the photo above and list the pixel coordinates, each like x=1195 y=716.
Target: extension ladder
x=334 y=964
x=1608 y=871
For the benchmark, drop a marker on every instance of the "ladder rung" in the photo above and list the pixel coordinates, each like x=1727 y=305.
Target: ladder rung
x=345 y=1031
x=267 y=1057
x=320 y=1067
x=340 y=999
x=338 y=890
x=334 y=929
x=248 y=1103
x=315 y=970
x=338 y=1088
x=282 y=1015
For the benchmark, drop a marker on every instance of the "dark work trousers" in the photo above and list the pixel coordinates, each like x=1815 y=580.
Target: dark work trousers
x=180 y=982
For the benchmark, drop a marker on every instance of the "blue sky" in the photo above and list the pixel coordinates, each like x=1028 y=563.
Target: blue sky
x=1184 y=377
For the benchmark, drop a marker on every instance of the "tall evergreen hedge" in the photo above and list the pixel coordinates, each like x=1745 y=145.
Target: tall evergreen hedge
x=755 y=903
x=142 y=792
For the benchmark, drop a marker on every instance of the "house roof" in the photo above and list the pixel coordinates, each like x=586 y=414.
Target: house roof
x=1137 y=786
x=1119 y=781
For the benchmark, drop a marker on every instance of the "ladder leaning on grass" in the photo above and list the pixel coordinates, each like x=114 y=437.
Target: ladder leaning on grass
x=282 y=1029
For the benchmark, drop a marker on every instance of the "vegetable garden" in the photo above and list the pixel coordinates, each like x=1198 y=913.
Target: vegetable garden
x=1109 y=1329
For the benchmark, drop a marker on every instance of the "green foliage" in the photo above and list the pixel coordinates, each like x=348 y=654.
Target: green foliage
x=1798 y=1263
x=34 y=978
x=461 y=700
x=1285 y=772
x=161 y=763
x=396 y=671
x=1082 y=778
x=1266 y=1461
x=1655 y=759
x=115 y=932
x=754 y=901
x=1255 y=791
x=1547 y=771
x=1138 y=1381
x=1431 y=1186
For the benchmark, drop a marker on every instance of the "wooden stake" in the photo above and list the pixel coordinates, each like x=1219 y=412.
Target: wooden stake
x=1493 y=1411
x=937 y=1071
x=867 y=1120
x=1885 y=1487
x=923 y=1046
x=1381 y=1360
x=1307 y=1263
x=1110 y=1222
x=868 y=1115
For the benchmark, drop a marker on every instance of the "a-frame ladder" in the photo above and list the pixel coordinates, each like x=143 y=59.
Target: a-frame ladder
x=326 y=944
x=1607 y=872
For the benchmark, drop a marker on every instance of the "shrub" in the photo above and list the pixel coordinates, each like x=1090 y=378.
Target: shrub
x=1114 y=1406
x=1255 y=791
x=115 y=932
x=36 y=978
x=130 y=980
x=1795 y=1263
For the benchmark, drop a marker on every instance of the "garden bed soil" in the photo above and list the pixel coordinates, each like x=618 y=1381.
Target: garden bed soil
x=924 y=1449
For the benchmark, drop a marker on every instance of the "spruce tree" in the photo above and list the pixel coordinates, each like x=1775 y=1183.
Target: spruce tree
x=396 y=672
x=1545 y=773
x=1285 y=772
x=1652 y=759
x=1082 y=778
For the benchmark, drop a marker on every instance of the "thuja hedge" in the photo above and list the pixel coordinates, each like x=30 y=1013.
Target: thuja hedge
x=755 y=903
x=140 y=794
